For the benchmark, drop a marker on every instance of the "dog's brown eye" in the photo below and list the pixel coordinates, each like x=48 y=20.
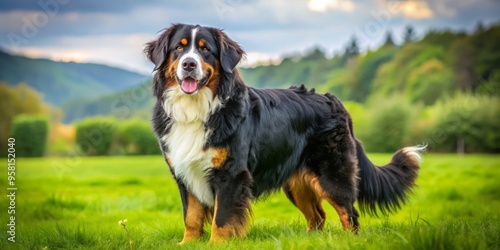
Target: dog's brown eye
x=204 y=49
x=179 y=48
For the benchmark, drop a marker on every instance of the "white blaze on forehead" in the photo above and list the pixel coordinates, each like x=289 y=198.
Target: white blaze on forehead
x=193 y=37
x=198 y=72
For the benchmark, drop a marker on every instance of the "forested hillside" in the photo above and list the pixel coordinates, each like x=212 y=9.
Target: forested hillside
x=436 y=66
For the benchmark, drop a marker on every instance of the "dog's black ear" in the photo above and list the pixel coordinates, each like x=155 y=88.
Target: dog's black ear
x=157 y=50
x=230 y=52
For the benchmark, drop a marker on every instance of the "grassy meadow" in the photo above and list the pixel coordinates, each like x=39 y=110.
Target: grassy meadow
x=455 y=206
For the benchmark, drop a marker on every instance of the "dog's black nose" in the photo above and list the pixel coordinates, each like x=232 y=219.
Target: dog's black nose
x=189 y=64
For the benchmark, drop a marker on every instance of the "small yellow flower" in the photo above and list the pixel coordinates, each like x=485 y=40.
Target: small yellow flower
x=123 y=223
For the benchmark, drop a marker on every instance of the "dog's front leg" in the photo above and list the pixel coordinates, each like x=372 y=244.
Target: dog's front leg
x=232 y=204
x=195 y=215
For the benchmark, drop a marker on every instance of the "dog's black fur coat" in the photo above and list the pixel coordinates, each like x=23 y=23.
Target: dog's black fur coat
x=272 y=135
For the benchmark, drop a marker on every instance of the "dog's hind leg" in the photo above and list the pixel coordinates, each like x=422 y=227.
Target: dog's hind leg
x=341 y=195
x=336 y=169
x=337 y=183
x=303 y=196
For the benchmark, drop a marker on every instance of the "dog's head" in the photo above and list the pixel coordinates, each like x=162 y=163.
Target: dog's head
x=192 y=57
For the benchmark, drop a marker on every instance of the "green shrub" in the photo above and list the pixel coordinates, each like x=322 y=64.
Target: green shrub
x=388 y=124
x=31 y=134
x=95 y=136
x=358 y=115
x=469 y=120
x=136 y=137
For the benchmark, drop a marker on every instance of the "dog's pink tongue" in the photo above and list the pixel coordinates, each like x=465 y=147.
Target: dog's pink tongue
x=189 y=85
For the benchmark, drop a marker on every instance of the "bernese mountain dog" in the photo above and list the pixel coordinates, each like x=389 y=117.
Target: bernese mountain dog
x=227 y=144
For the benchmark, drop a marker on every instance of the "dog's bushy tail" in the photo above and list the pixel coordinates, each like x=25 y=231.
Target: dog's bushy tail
x=386 y=187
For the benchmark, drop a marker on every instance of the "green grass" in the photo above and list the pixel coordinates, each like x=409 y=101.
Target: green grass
x=455 y=206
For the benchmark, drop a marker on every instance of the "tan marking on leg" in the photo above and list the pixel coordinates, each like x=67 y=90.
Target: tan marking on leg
x=233 y=227
x=343 y=215
x=219 y=157
x=195 y=218
x=221 y=234
x=320 y=217
x=341 y=211
x=306 y=200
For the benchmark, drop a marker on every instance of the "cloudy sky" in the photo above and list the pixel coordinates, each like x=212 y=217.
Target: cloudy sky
x=113 y=32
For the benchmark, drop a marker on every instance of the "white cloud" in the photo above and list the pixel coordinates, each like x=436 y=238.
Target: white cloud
x=124 y=51
x=254 y=58
x=416 y=10
x=325 y=5
x=426 y=9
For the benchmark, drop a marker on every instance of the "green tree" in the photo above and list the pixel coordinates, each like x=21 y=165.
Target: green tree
x=361 y=78
x=314 y=54
x=16 y=100
x=136 y=137
x=479 y=28
x=429 y=82
x=409 y=35
x=490 y=86
x=351 y=51
x=388 y=124
x=393 y=76
x=31 y=134
x=464 y=57
x=389 y=42
x=487 y=59
x=466 y=123
x=95 y=135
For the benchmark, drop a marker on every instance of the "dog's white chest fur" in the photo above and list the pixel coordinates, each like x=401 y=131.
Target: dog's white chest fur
x=186 y=139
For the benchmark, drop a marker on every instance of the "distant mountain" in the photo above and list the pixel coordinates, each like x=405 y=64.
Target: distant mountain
x=312 y=69
x=64 y=81
x=135 y=101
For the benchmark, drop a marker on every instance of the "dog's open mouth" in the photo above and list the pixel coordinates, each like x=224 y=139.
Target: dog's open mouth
x=190 y=85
